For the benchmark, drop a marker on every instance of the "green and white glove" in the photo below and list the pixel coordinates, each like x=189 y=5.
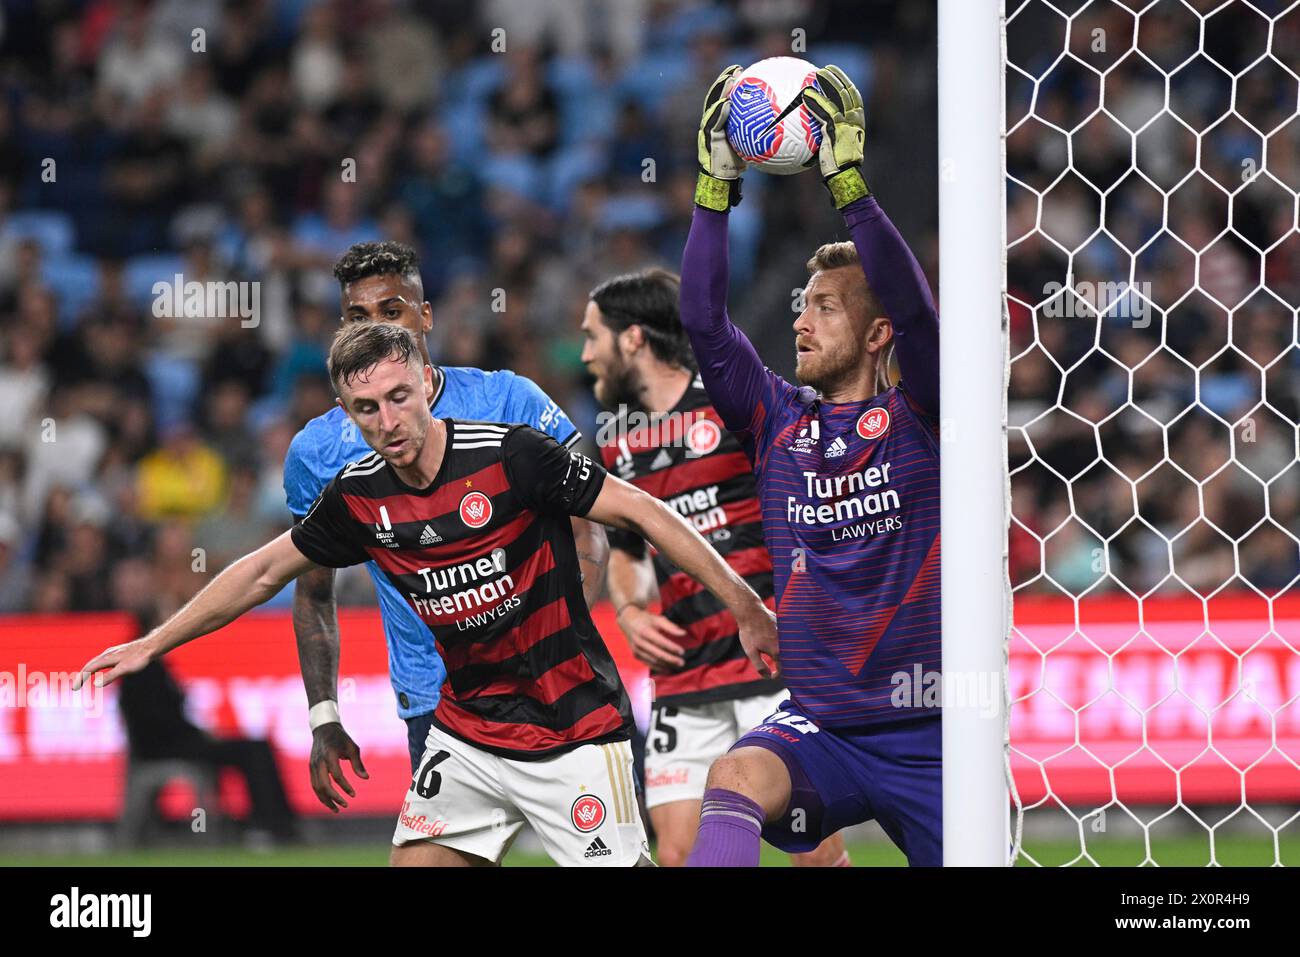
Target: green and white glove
x=718 y=185
x=837 y=106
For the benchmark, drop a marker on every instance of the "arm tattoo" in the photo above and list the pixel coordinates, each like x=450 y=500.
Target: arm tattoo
x=316 y=629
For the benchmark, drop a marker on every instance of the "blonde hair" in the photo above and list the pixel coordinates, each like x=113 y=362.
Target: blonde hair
x=841 y=255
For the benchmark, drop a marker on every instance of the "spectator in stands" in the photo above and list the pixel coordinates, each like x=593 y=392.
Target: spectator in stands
x=182 y=478
x=524 y=111
x=238 y=527
x=15 y=569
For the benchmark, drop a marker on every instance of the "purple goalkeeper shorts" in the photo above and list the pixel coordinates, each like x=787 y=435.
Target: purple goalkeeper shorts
x=892 y=775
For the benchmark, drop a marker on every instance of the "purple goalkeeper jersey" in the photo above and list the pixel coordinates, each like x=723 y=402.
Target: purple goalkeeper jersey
x=849 y=491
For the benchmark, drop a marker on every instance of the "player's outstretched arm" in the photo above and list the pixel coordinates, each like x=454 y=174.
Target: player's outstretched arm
x=255 y=578
x=632 y=589
x=892 y=271
x=732 y=372
x=626 y=506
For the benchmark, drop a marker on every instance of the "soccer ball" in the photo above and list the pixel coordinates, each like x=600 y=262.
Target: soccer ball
x=760 y=95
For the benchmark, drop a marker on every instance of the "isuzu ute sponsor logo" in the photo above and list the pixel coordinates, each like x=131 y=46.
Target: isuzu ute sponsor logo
x=384 y=533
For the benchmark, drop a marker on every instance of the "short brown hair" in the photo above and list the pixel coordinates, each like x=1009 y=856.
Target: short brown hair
x=834 y=256
x=839 y=256
x=359 y=346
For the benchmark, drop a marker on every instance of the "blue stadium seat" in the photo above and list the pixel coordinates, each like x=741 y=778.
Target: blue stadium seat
x=54 y=231
x=572 y=167
x=1228 y=395
x=520 y=175
x=477 y=79
x=175 y=384
x=465 y=124
x=141 y=272
x=570 y=74
x=854 y=60
x=631 y=212
x=655 y=77
x=75 y=280
x=690 y=22
x=587 y=108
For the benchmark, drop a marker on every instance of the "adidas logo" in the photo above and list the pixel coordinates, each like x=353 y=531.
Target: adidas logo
x=429 y=536
x=662 y=461
x=836 y=448
x=598 y=848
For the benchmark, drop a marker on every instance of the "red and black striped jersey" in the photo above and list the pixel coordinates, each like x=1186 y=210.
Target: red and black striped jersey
x=485 y=555
x=688 y=460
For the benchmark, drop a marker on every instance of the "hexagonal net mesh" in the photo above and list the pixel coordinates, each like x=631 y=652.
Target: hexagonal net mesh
x=1153 y=271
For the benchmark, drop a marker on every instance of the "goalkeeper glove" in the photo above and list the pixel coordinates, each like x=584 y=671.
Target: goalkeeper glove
x=837 y=106
x=718 y=186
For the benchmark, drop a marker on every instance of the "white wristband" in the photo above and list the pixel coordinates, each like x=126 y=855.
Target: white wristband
x=323 y=712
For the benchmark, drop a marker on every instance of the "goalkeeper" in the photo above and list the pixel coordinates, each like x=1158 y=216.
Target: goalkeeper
x=847 y=469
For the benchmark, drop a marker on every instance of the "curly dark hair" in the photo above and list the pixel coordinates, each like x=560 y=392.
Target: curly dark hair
x=388 y=258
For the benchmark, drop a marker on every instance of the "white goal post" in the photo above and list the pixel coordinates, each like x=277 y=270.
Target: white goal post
x=973 y=484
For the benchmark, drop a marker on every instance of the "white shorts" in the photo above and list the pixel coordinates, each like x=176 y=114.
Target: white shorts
x=581 y=803
x=684 y=741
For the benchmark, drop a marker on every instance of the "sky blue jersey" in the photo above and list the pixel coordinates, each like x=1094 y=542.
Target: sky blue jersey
x=331 y=441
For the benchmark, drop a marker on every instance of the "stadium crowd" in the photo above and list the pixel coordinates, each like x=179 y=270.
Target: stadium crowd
x=1172 y=414
x=526 y=150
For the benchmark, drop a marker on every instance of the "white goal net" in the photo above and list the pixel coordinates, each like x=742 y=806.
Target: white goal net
x=1153 y=275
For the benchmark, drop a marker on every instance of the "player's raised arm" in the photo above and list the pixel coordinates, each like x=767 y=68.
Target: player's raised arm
x=891 y=270
x=255 y=578
x=627 y=507
x=732 y=372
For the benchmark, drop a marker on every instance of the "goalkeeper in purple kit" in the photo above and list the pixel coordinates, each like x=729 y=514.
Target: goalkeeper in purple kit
x=847 y=470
